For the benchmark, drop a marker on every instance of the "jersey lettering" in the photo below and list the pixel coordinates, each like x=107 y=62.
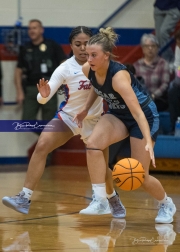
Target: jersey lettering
x=84 y=86
x=112 y=101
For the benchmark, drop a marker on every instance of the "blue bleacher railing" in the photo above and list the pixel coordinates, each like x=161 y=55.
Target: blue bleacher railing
x=112 y=15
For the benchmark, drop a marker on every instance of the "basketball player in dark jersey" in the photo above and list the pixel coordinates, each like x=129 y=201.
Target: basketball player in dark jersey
x=131 y=113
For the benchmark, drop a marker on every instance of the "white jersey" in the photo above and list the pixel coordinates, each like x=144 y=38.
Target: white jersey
x=75 y=86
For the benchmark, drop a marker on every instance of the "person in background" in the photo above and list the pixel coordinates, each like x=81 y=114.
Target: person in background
x=177 y=52
x=154 y=70
x=174 y=90
x=166 y=16
x=37 y=59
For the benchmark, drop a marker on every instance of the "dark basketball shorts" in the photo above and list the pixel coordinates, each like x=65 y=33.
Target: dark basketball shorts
x=152 y=117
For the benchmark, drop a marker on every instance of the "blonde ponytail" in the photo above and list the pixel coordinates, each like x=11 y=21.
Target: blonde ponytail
x=106 y=38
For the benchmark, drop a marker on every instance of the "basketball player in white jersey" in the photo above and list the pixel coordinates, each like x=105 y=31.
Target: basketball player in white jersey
x=69 y=78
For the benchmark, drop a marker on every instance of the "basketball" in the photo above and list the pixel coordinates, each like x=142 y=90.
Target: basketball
x=128 y=174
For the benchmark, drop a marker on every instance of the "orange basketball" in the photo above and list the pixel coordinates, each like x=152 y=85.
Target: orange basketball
x=128 y=174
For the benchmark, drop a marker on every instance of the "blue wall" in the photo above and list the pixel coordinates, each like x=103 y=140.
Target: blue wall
x=61 y=34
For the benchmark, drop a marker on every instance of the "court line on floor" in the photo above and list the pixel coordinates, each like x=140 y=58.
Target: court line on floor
x=55 y=192
x=38 y=218
x=57 y=215
x=89 y=198
x=46 y=217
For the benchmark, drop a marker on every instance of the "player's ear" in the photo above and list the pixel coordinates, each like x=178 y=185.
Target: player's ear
x=107 y=55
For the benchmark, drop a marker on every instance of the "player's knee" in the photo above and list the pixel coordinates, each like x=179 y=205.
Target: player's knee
x=42 y=147
x=92 y=145
x=146 y=180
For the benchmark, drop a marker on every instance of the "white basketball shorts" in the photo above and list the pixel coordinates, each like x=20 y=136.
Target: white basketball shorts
x=87 y=127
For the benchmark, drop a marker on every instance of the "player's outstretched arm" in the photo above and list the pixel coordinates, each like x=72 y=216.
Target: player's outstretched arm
x=48 y=88
x=122 y=85
x=79 y=117
x=43 y=88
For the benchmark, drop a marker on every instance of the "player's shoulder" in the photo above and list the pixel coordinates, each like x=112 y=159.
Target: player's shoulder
x=69 y=66
x=72 y=63
x=68 y=62
x=86 y=69
x=116 y=64
x=115 y=68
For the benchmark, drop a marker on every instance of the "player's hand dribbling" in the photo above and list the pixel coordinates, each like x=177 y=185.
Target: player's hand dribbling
x=149 y=148
x=80 y=117
x=43 y=88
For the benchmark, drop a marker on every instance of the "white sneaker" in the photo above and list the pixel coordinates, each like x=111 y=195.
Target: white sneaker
x=166 y=212
x=166 y=234
x=97 y=243
x=117 y=227
x=20 y=243
x=106 y=242
x=96 y=208
x=18 y=203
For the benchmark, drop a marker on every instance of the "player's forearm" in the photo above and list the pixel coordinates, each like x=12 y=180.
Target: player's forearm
x=90 y=100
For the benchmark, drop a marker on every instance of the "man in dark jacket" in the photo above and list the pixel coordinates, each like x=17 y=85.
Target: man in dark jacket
x=37 y=59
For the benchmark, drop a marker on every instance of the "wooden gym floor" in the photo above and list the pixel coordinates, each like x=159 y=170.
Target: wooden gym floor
x=54 y=223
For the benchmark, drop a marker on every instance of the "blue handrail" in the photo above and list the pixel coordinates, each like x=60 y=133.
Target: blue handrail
x=112 y=15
